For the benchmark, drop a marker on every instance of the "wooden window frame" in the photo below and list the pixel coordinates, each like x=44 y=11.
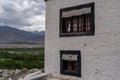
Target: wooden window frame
x=78 y=72
x=84 y=33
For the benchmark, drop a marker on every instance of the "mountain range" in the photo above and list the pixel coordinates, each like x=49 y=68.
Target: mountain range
x=12 y=35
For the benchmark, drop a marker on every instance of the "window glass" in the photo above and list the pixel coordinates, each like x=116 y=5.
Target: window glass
x=81 y=23
x=68 y=24
x=75 y=25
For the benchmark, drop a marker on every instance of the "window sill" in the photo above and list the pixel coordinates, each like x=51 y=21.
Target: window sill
x=88 y=33
x=77 y=74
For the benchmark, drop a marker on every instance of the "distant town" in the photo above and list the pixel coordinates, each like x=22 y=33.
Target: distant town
x=18 y=74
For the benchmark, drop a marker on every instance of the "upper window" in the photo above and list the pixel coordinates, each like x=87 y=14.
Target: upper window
x=77 y=20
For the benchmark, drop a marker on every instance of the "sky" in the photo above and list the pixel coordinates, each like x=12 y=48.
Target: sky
x=27 y=15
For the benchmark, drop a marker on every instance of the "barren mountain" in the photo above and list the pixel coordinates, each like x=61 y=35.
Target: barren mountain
x=13 y=35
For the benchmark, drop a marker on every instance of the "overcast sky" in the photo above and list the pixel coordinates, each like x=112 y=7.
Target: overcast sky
x=23 y=14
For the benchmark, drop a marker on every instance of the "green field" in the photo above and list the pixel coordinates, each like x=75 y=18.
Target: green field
x=18 y=58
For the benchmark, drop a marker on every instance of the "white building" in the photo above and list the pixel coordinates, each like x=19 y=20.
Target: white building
x=82 y=39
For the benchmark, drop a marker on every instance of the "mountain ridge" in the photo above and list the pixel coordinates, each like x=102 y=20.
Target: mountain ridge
x=13 y=35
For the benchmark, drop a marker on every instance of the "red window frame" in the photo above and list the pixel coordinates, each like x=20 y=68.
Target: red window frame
x=69 y=24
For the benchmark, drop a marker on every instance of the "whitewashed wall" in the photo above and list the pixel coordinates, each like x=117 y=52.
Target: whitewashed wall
x=100 y=53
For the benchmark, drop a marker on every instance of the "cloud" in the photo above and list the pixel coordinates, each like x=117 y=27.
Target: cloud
x=23 y=14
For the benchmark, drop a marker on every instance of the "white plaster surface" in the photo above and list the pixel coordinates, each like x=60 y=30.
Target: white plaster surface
x=100 y=53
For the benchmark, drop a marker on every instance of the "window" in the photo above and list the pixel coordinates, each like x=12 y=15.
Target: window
x=77 y=20
x=70 y=63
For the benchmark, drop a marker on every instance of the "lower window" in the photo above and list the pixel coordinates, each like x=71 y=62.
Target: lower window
x=70 y=63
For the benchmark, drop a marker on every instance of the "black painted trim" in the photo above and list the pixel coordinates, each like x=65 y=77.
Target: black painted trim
x=88 y=33
x=78 y=52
